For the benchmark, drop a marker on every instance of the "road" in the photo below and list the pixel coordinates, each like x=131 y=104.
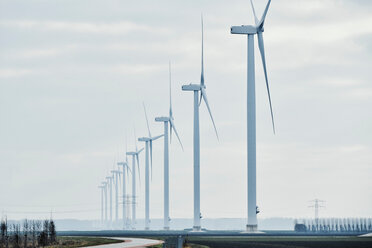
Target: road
x=131 y=243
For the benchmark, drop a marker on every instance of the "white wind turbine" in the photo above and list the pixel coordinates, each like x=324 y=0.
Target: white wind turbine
x=102 y=187
x=115 y=176
x=125 y=172
x=167 y=120
x=109 y=183
x=250 y=31
x=148 y=148
x=203 y=95
x=104 y=184
x=135 y=157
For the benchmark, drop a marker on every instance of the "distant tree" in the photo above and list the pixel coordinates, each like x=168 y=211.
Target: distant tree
x=42 y=239
x=16 y=235
x=37 y=230
x=26 y=227
x=43 y=236
x=52 y=232
x=33 y=232
x=46 y=230
x=4 y=233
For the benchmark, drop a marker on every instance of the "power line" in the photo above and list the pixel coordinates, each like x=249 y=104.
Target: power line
x=48 y=212
x=47 y=206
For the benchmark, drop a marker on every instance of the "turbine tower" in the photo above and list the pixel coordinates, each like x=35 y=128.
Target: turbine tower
x=125 y=172
x=148 y=145
x=115 y=177
x=104 y=184
x=135 y=157
x=102 y=193
x=167 y=120
x=203 y=95
x=250 y=31
x=109 y=182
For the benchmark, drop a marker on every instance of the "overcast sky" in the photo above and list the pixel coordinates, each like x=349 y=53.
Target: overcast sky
x=73 y=75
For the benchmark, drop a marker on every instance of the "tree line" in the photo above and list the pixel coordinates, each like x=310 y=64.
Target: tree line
x=28 y=233
x=361 y=225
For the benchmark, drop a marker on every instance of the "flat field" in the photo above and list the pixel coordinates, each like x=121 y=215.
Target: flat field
x=281 y=242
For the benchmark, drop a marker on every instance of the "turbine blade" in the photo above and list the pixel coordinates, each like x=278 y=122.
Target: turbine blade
x=170 y=92
x=138 y=168
x=135 y=139
x=129 y=170
x=209 y=109
x=138 y=152
x=170 y=131
x=147 y=121
x=202 y=60
x=264 y=14
x=157 y=137
x=126 y=146
x=254 y=13
x=202 y=70
x=200 y=99
x=172 y=126
x=262 y=51
x=151 y=157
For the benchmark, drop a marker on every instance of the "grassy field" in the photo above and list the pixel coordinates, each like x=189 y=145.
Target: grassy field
x=72 y=242
x=281 y=242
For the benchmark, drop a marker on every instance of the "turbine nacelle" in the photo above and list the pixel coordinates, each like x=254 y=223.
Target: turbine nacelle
x=192 y=87
x=144 y=139
x=162 y=119
x=244 y=29
x=131 y=153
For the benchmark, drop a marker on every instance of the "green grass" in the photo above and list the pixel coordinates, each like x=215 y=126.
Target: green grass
x=281 y=242
x=72 y=242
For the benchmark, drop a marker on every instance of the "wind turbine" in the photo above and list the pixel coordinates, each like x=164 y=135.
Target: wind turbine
x=167 y=120
x=135 y=157
x=126 y=169
x=104 y=184
x=109 y=182
x=148 y=145
x=203 y=95
x=115 y=176
x=250 y=31
x=102 y=193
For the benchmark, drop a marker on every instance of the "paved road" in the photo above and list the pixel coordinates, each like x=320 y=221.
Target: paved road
x=131 y=243
x=366 y=235
x=186 y=233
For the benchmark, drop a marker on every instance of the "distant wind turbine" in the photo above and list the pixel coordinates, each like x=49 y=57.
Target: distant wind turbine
x=167 y=120
x=135 y=158
x=109 y=182
x=104 y=184
x=250 y=31
x=125 y=172
x=102 y=205
x=203 y=95
x=148 y=148
x=115 y=176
